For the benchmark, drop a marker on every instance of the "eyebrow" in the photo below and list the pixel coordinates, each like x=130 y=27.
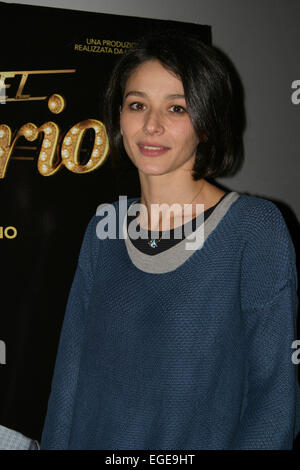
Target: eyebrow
x=144 y=95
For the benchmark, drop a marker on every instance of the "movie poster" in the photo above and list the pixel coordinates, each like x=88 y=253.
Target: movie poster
x=55 y=171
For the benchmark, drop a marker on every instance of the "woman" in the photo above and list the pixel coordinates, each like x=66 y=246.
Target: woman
x=164 y=346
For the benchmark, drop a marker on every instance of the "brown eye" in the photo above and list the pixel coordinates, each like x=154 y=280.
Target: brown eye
x=175 y=108
x=136 y=106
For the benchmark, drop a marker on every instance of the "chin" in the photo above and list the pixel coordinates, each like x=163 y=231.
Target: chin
x=153 y=171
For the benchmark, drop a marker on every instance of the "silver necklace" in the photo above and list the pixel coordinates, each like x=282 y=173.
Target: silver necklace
x=153 y=242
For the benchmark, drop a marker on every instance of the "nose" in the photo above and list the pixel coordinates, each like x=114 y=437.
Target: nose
x=153 y=123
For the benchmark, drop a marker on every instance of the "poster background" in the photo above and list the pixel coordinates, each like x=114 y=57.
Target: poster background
x=261 y=38
x=50 y=213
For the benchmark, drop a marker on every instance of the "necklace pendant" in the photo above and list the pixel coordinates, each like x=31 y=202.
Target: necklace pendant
x=153 y=243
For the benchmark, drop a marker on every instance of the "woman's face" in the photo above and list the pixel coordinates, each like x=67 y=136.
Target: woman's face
x=157 y=131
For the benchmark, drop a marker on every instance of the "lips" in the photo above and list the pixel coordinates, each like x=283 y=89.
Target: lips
x=150 y=149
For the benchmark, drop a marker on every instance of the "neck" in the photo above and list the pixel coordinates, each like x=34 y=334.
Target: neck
x=176 y=208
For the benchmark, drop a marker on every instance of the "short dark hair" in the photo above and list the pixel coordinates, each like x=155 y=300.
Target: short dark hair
x=208 y=90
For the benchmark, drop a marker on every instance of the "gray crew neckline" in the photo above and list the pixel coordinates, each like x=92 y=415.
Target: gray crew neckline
x=176 y=255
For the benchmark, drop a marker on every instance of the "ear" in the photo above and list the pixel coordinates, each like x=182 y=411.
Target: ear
x=204 y=138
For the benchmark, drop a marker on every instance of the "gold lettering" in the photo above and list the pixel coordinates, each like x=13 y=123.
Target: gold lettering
x=6 y=232
x=5 y=148
x=49 y=160
x=10 y=229
x=25 y=74
x=47 y=164
x=70 y=150
x=93 y=41
x=19 y=95
x=4 y=86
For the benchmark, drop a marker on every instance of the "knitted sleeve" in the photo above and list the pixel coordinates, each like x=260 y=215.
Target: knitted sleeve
x=269 y=304
x=58 y=422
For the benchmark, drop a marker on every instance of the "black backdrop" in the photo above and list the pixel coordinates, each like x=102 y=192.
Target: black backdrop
x=50 y=213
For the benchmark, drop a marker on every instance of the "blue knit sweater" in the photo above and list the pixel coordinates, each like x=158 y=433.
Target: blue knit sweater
x=185 y=349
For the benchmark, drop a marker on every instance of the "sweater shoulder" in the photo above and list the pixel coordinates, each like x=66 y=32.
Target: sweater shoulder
x=260 y=219
x=258 y=210
x=269 y=258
